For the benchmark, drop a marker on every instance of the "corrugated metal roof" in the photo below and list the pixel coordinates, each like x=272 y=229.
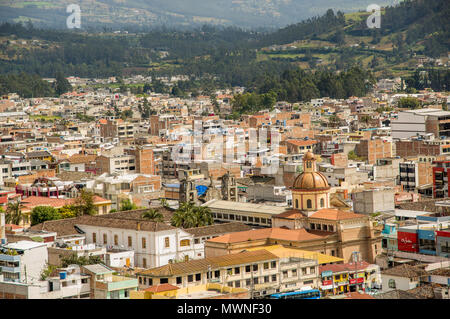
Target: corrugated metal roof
x=202 y=265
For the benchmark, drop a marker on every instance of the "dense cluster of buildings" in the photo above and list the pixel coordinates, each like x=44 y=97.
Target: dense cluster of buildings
x=346 y=197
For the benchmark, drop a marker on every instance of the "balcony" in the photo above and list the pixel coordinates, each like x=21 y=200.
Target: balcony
x=117 y=283
x=10 y=258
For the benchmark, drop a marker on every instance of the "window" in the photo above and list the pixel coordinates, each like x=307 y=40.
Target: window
x=250 y=219
x=247 y=268
x=144 y=262
x=130 y=241
x=185 y=242
x=105 y=239
x=255 y=267
x=266 y=279
x=256 y=219
x=114 y=295
x=196 y=241
x=318 y=226
x=285 y=274
x=244 y=218
x=237 y=284
x=255 y=280
x=94 y=238
x=273 y=264
x=140 y=280
x=304 y=271
x=237 y=270
x=274 y=277
x=322 y=202
x=217 y=274
x=190 y=278
x=248 y=282
x=144 y=243
x=164 y=281
x=266 y=265
x=294 y=272
x=427 y=244
x=325 y=227
x=296 y=203
x=186 y=258
x=198 y=277
x=330 y=228
x=312 y=270
x=116 y=240
x=312 y=226
x=167 y=242
x=309 y=203
x=392 y=284
x=179 y=280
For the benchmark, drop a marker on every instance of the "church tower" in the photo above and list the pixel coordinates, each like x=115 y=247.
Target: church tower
x=310 y=191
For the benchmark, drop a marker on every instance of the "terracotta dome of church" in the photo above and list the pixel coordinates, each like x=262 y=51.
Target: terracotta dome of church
x=310 y=178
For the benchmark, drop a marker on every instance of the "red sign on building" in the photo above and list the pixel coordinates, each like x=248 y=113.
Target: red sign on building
x=407 y=241
x=355 y=281
x=327 y=282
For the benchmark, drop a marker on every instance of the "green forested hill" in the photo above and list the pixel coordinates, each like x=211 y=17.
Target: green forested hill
x=147 y=13
x=233 y=56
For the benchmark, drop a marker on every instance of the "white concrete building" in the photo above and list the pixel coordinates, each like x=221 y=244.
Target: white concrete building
x=154 y=244
x=23 y=261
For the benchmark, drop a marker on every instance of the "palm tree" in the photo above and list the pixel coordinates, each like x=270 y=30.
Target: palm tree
x=203 y=216
x=14 y=213
x=188 y=216
x=153 y=214
x=127 y=204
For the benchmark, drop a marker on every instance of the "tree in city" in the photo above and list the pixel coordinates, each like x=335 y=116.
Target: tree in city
x=164 y=203
x=84 y=204
x=47 y=271
x=13 y=213
x=127 y=204
x=40 y=214
x=334 y=120
x=67 y=211
x=188 y=216
x=365 y=119
x=61 y=84
x=409 y=102
x=73 y=259
x=153 y=215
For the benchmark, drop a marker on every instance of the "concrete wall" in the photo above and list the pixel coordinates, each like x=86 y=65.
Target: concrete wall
x=372 y=201
x=401 y=283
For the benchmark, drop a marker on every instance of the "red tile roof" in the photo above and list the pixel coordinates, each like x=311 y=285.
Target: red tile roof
x=344 y=267
x=358 y=295
x=33 y=201
x=270 y=233
x=301 y=142
x=335 y=214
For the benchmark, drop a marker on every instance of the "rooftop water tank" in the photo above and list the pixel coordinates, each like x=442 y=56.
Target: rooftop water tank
x=63 y=275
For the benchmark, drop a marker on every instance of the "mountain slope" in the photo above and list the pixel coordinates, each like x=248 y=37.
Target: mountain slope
x=148 y=13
